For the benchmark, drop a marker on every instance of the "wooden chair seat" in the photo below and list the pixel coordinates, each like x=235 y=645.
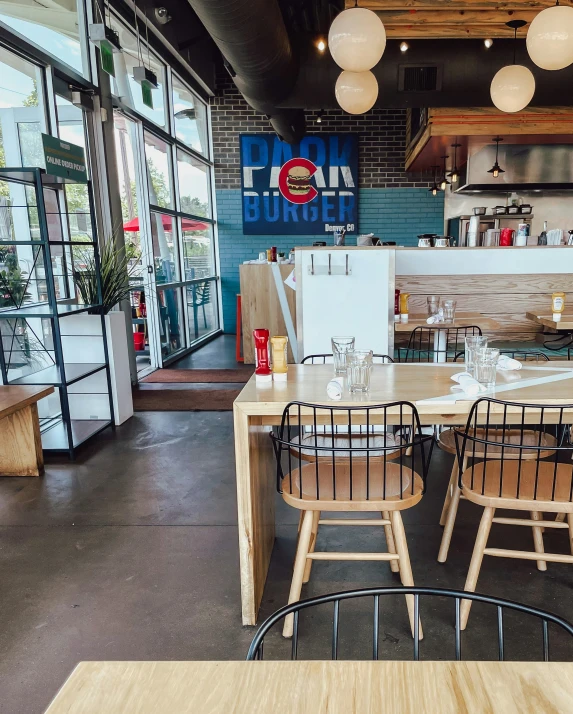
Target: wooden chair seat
x=384 y=490
x=344 y=441
x=553 y=493
x=447 y=442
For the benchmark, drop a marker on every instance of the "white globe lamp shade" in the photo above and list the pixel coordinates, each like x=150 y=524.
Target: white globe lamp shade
x=512 y=88
x=356 y=92
x=550 y=38
x=357 y=39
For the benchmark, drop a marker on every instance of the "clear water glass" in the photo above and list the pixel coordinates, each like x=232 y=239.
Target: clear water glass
x=358 y=369
x=449 y=308
x=485 y=370
x=473 y=343
x=433 y=304
x=340 y=347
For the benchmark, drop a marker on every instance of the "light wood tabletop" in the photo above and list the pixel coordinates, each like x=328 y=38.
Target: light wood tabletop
x=428 y=386
x=566 y=322
x=316 y=687
x=20 y=440
x=463 y=319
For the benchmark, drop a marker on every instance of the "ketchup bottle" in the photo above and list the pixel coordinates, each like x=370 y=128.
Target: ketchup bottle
x=262 y=360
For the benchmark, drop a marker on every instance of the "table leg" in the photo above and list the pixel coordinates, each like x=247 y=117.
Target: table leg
x=21 y=443
x=440 y=346
x=256 y=493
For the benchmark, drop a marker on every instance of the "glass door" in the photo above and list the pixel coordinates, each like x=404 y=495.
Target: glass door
x=137 y=232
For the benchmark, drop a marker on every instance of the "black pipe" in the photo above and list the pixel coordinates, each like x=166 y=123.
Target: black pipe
x=253 y=39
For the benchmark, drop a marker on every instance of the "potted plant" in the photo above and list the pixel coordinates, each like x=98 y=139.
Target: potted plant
x=80 y=332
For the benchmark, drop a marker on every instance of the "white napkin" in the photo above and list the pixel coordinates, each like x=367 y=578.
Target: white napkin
x=437 y=317
x=468 y=384
x=334 y=388
x=508 y=364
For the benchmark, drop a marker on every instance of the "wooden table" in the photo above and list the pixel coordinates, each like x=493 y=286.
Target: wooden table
x=316 y=688
x=20 y=441
x=463 y=319
x=256 y=409
x=566 y=322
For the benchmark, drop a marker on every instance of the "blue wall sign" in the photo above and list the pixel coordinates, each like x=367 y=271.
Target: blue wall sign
x=299 y=189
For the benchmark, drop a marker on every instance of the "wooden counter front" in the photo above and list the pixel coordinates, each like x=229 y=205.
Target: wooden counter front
x=260 y=304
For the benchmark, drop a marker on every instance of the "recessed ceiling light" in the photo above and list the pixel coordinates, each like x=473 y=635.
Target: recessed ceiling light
x=404 y=46
x=488 y=43
x=321 y=45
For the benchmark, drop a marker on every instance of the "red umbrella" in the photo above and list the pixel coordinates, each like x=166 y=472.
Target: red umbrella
x=187 y=224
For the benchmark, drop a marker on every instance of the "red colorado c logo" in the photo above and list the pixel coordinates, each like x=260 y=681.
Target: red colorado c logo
x=294 y=180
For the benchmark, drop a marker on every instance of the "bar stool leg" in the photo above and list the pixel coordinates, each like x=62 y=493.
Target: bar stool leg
x=299 y=565
x=451 y=485
x=570 y=522
x=394 y=567
x=477 y=558
x=451 y=518
x=538 y=539
x=308 y=566
x=404 y=564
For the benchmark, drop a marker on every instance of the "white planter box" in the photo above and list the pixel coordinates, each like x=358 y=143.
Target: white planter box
x=81 y=344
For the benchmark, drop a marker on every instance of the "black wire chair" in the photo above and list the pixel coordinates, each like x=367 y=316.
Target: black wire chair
x=437 y=343
x=517 y=461
x=379 y=464
x=526 y=355
x=329 y=358
x=256 y=650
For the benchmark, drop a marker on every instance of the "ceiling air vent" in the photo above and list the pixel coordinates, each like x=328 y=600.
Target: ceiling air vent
x=419 y=78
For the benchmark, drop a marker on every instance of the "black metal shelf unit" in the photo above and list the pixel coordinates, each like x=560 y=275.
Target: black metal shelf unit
x=47 y=335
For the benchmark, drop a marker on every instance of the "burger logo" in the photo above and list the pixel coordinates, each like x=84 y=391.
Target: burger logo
x=294 y=180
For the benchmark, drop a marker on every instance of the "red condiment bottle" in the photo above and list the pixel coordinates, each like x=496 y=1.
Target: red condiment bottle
x=396 y=305
x=262 y=356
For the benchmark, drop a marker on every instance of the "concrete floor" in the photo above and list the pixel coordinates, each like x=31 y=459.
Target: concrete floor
x=131 y=553
x=219 y=353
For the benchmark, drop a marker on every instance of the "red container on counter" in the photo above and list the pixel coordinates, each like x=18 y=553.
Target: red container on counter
x=507 y=236
x=273 y=254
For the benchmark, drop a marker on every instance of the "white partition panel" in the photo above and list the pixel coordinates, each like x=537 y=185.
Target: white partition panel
x=345 y=291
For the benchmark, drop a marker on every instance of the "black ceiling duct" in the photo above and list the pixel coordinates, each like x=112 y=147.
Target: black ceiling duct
x=253 y=39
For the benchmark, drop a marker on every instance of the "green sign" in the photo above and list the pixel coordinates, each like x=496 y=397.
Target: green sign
x=64 y=159
x=106 y=58
x=146 y=94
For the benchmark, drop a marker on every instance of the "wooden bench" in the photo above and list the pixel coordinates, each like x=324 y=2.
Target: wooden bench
x=20 y=441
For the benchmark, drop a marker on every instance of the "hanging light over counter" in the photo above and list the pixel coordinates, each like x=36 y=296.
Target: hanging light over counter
x=550 y=37
x=444 y=183
x=496 y=169
x=454 y=174
x=435 y=189
x=513 y=86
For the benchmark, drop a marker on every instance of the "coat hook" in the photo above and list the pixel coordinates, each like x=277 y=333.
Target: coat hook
x=312 y=263
x=347 y=264
x=329 y=267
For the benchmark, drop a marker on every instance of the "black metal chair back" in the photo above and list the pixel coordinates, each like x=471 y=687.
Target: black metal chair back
x=525 y=355
x=437 y=343
x=351 y=453
x=517 y=451
x=329 y=358
x=256 y=650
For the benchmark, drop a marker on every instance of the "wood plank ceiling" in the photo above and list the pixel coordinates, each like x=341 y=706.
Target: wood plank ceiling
x=436 y=19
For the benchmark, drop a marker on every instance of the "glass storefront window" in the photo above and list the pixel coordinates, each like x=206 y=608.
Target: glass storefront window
x=158 y=160
x=190 y=118
x=202 y=313
x=197 y=249
x=71 y=128
x=123 y=84
x=53 y=26
x=164 y=236
x=193 y=178
x=22 y=117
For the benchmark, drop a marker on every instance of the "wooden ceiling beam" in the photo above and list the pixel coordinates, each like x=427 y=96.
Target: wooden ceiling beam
x=453 y=4
x=432 y=32
x=392 y=18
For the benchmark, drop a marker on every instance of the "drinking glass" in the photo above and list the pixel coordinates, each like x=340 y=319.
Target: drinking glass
x=486 y=366
x=340 y=346
x=433 y=304
x=358 y=369
x=449 y=308
x=473 y=343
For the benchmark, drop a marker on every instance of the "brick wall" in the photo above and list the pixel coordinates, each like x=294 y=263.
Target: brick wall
x=392 y=204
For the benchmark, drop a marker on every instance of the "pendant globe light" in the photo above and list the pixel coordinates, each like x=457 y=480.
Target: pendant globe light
x=513 y=86
x=356 y=92
x=550 y=38
x=357 y=39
